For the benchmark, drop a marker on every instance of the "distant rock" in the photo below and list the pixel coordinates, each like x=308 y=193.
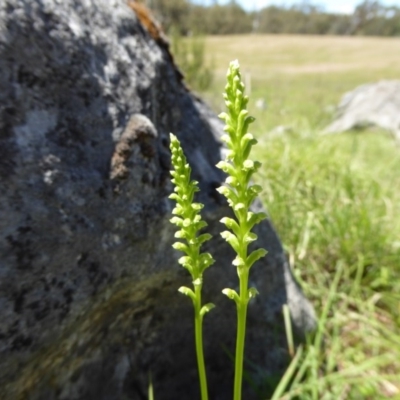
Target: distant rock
x=374 y=104
x=261 y=104
x=88 y=279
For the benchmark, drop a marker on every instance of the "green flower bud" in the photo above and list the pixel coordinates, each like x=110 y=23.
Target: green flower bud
x=253 y=292
x=206 y=308
x=231 y=294
x=188 y=292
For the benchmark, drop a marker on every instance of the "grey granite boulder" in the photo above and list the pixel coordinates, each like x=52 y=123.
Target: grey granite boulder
x=88 y=279
x=373 y=104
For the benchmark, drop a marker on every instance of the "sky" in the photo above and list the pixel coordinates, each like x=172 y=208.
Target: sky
x=340 y=6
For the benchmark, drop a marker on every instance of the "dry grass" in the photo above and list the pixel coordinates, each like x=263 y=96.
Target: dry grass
x=260 y=54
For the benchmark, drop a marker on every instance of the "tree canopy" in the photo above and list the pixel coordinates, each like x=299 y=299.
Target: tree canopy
x=369 y=18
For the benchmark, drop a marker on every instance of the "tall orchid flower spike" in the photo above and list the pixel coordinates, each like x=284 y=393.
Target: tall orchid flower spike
x=240 y=194
x=187 y=218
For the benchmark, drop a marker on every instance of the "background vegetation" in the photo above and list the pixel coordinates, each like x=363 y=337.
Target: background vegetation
x=369 y=18
x=334 y=200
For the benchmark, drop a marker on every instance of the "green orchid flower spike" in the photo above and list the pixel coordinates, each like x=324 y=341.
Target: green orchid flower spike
x=240 y=194
x=187 y=218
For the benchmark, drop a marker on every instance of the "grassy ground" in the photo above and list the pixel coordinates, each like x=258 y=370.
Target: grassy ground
x=335 y=202
x=301 y=76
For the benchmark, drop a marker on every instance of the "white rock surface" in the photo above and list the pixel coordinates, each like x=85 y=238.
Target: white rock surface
x=374 y=104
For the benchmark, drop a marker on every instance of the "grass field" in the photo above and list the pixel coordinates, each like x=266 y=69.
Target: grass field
x=335 y=202
x=302 y=76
